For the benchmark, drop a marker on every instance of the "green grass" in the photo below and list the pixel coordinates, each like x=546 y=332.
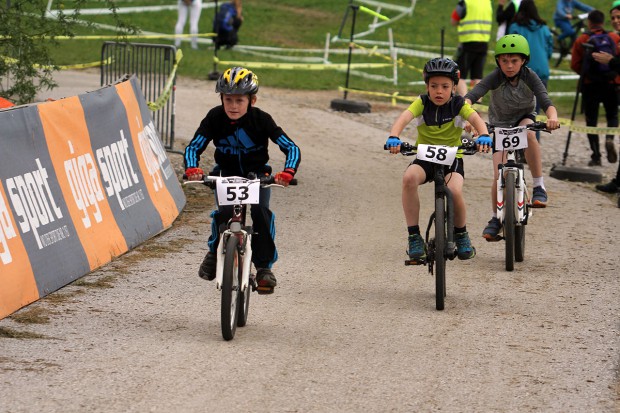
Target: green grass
x=304 y=24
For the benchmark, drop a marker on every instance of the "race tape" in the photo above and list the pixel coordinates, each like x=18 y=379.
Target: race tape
x=393 y=96
x=374 y=13
x=11 y=60
x=165 y=95
x=300 y=66
x=569 y=123
x=116 y=36
x=373 y=52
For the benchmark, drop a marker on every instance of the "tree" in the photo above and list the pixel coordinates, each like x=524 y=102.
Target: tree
x=27 y=34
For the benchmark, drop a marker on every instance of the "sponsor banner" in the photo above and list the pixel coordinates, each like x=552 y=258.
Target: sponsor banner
x=82 y=180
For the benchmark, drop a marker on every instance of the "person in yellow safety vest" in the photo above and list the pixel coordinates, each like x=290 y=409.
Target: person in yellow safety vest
x=473 y=19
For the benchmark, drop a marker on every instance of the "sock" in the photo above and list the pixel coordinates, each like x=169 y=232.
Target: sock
x=539 y=182
x=460 y=230
x=415 y=229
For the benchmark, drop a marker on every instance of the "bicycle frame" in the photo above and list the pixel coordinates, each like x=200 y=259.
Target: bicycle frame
x=522 y=196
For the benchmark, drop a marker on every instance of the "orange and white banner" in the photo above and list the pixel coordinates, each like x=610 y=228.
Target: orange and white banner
x=82 y=180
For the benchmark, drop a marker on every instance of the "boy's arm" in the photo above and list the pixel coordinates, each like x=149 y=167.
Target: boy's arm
x=481 y=88
x=577 y=53
x=401 y=122
x=552 y=118
x=484 y=142
x=191 y=156
x=582 y=6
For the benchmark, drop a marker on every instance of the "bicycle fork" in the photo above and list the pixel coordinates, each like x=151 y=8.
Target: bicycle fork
x=244 y=234
x=522 y=207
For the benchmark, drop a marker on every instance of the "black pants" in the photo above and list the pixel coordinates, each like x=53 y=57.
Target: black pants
x=593 y=95
x=264 y=252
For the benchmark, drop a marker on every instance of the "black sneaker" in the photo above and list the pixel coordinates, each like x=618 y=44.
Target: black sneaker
x=612 y=155
x=491 y=232
x=610 y=188
x=595 y=162
x=265 y=281
x=207 y=268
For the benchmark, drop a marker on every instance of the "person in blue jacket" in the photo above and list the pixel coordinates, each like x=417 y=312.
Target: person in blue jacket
x=563 y=15
x=528 y=23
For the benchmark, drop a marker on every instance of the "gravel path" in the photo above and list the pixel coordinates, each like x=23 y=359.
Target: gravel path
x=350 y=328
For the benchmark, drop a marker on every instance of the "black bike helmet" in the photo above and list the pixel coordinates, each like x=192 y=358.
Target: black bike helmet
x=237 y=81
x=442 y=66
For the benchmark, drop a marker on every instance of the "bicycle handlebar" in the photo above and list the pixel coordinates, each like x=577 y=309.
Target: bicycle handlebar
x=265 y=181
x=536 y=126
x=407 y=149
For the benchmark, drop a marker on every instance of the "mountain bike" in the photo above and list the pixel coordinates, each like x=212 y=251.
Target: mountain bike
x=564 y=47
x=442 y=246
x=513 y=199
x=233 y=274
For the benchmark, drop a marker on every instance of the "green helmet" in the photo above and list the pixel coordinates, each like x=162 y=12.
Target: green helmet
x=513 y=44
x=615 y=4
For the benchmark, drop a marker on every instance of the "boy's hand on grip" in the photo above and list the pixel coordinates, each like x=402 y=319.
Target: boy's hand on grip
x=194 y=174
x=285 y=177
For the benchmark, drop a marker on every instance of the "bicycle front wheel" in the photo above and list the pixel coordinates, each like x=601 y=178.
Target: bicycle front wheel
x=509 y=218
x=519 y=243
x=230 y=288
x=440 y=253
x=244 y=303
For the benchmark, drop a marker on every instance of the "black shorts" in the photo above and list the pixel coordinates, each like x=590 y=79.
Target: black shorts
x=457 y=166
x=471 y=58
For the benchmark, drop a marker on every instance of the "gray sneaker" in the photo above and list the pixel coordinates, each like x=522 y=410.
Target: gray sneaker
x=491 y=232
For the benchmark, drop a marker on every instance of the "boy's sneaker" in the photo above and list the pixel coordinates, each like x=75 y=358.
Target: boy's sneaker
x=464 y=250
x=610 y=188
x=265 y=281
x=491 y=232
x=539 y=197
x=207 y=268
x=416 y=248
x=612 y=155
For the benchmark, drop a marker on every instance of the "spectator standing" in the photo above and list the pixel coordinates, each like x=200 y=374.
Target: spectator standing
x=191 y=8
x=564 y=13
x=227 y=23
x=528 y=23
x=597 y=88
x=473 y=19
x=504 y=13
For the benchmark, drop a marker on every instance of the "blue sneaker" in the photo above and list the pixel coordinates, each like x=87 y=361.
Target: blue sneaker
x=417 y=248
x=491 y=232
x=464 y=249
x=539 y=197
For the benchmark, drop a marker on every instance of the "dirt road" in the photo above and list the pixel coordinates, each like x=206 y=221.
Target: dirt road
x=350 y=328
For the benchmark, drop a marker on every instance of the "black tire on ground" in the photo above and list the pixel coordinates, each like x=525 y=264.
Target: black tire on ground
x=519 y=243
x=244 y=302
x=230 y=288
x=509 y=218
x=440 y=253
x=350 y=106
x=574 y=174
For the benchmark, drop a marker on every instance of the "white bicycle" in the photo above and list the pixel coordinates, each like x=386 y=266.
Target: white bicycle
x=513 y=199
x=234 y=252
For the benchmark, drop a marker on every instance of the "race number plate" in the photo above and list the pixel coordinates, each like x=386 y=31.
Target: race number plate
x=443 y=155
x=235 y=191
x=510 y=139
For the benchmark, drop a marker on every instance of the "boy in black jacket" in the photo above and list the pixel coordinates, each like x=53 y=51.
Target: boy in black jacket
x=241 y=134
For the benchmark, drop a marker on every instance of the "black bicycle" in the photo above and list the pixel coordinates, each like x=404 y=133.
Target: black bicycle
x=442 y=246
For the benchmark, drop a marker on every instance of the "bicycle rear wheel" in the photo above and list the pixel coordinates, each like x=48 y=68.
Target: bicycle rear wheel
x=440 y=253
x=509 y=218
x=244 y=303
x=230 y=288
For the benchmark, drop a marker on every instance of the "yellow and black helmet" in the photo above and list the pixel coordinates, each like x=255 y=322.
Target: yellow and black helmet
x=237 y=81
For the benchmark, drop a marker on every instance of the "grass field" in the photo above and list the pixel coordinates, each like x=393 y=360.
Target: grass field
x=304 y=24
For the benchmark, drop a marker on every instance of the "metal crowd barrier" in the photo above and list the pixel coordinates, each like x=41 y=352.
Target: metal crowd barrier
x=152 y=64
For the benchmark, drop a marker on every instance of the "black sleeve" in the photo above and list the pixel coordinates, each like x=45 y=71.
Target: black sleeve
x=505 y=14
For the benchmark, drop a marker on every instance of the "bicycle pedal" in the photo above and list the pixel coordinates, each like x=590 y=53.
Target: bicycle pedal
x=264 y=290
x=415 y=262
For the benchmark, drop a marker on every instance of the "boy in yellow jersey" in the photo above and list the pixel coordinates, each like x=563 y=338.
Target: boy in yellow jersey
x=439 y=116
